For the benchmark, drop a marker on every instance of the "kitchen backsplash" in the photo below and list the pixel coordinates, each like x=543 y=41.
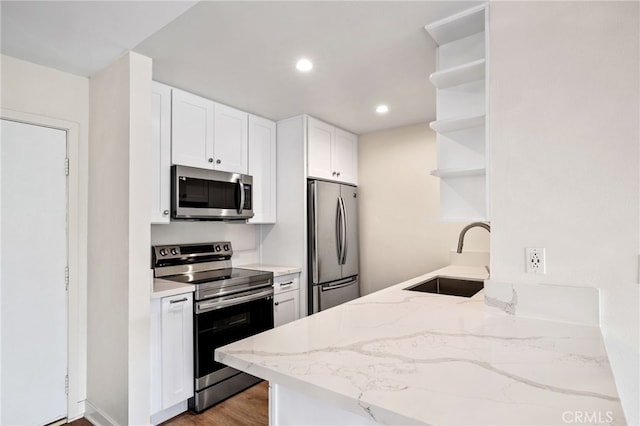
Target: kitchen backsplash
x=243 y=236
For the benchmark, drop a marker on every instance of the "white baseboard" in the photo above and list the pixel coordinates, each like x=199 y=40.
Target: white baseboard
x=170 y=412
x=98 y=418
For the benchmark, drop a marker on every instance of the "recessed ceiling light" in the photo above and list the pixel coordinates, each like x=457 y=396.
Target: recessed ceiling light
x=304 y=65
x=382 y=109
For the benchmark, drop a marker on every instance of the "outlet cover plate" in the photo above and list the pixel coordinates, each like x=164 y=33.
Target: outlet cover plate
x=535 y=260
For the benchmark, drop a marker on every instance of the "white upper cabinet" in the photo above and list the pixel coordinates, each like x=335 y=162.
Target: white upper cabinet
x=262 y=166
x=321 y=138
x=192 y=130
x=161 y=153
x=331 y=152
x=230 y=150
x=345 y=156
x=208 y=135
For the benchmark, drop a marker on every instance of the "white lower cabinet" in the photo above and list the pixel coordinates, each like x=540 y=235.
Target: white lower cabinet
x=171 y=353
x=286 y=299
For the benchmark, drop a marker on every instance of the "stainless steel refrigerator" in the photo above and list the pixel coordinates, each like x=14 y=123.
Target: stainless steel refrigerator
x=333 y=244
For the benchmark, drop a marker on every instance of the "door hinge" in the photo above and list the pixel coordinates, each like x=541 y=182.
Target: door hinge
x=66 y=278
x=66 y=384
x=66 y=166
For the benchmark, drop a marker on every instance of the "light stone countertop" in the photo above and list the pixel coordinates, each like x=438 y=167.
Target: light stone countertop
x=277 y=270
x=403 y=357
x=165 y=288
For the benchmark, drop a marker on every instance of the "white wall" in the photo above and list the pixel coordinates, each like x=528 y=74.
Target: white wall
x=401 y=235
x=47 y=95
x=119 y=240
x=564 y=152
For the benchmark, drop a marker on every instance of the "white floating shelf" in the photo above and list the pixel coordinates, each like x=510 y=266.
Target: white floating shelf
x=457 y=26
x=461 y=74
x=455 y=124
x=450 y=173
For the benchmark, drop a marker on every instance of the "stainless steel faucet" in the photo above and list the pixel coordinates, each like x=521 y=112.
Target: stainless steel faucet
x=466 y=228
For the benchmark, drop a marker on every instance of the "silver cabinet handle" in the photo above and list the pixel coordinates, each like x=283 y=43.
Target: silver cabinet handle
x=338 y=174
x=276 y=303
x=334 y=173
x=165 y=213
x=218 y=161
x=184 y=299
x=211 y=160
x=287 y=283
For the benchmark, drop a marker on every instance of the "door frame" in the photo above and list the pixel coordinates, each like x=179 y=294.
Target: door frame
x=77 y=258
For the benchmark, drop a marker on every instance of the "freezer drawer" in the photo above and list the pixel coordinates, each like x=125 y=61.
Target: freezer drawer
x=328 y=296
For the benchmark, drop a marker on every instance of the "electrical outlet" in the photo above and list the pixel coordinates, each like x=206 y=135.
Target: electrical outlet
x=534 y=260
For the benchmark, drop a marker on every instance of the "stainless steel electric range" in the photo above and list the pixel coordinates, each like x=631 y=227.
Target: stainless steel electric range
x=229 y=304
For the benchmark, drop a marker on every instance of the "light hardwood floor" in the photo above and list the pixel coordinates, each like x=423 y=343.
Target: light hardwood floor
x=248 y=408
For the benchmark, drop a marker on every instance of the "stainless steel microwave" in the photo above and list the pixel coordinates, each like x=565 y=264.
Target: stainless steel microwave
x=202 y=194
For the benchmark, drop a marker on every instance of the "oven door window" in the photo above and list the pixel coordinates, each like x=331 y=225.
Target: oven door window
x=219 y=327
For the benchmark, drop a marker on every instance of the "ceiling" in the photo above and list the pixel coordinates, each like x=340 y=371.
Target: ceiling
x=243 y=54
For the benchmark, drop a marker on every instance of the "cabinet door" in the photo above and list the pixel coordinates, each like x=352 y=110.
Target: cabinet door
x=177 y=349
x=320 y=138
x=262 y=166
x=156 y=354
x=230 y=139
x=161 y=153
x=191 y=130
x=345 y=157
x=286 y=307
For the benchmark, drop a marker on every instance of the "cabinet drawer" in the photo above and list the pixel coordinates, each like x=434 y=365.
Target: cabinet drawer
x=286 y=283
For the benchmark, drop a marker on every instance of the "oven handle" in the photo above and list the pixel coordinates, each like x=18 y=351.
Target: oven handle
x=206 y=306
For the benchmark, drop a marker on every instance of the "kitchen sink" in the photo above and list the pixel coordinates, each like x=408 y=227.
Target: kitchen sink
x=449 y=286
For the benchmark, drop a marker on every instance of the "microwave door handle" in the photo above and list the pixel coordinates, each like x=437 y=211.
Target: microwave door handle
x=241 y=187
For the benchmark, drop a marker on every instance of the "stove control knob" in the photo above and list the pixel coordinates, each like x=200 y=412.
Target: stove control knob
x=174 y=251
x=218 y=248
x=163 y=252
x=226 y=247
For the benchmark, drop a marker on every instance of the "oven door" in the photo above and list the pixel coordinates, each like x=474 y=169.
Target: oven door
x=208 y=194
x=223 y=320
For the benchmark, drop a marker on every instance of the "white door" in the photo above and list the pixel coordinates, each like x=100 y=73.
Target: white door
x=191 y=130
x=320 y=143
x=32 y=269
x=262 y=166
x=345 y=156
x=230 y=141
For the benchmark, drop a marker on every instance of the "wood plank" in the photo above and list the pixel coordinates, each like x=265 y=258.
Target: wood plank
x=248 y=408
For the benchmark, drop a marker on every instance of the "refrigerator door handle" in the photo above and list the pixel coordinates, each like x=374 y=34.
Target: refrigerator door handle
x=314 y=266
x=339 y=231
x=344 y=231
